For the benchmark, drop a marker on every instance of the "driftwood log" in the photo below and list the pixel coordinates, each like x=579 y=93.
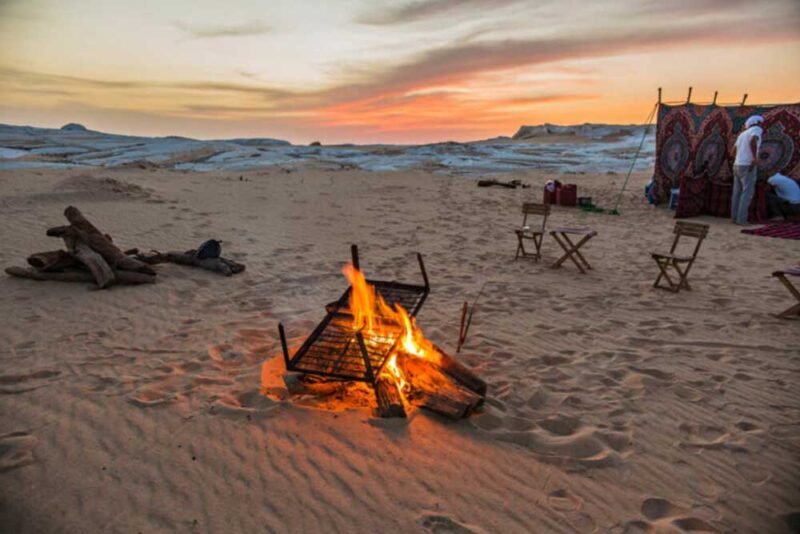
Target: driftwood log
x=92 y=255
x=121 y=277
x=86 y=232
x=390 y=401
x=54 y=260
x=101 y=271
x=218 y=265
x=513 y=184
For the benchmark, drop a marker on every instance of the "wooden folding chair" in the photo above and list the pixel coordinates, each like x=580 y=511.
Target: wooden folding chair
x=525 y=232
x=681 y=264
x=791 y=312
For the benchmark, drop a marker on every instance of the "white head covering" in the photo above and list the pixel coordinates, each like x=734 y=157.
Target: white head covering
x=752 y=121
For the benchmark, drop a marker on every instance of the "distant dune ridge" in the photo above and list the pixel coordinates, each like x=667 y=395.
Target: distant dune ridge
x=576 y=148
x=587 y=130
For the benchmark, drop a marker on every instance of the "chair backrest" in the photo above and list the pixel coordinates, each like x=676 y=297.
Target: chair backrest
x=696 y=230
x=532 y=208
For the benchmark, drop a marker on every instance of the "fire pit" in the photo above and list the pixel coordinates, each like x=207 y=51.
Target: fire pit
x=369 y=335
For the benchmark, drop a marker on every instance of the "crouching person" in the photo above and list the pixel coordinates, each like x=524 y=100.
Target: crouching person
x=784 y=198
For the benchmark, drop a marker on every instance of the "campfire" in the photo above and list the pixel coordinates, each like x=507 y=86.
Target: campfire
x=370 y=335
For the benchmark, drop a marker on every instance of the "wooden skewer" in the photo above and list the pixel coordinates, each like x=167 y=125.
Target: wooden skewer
x=461 y=328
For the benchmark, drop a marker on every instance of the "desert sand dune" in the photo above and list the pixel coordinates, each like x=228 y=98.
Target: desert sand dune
x=612 y=407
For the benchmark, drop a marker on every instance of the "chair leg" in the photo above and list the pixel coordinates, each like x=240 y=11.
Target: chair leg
x=683 y=282
x=663 y=265
x=538 y=244
x=520 y=247
x=792 y=311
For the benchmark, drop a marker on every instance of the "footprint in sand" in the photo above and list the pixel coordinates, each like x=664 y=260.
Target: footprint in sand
x=694 y=524
x=703 y=436
x=560 y=425
x=753 y=472
x=250 y=404
x=687 y=393
x=701 y=485
x=662 y=515
x=562 y=500
x=24 y=382
x=148 y=397
x=442 y=524
x=655 y=508
x=747 y=426
x=636 y=526
x=16 y=450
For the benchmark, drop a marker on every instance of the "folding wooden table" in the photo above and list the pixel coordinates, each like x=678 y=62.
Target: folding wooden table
x=572 y=250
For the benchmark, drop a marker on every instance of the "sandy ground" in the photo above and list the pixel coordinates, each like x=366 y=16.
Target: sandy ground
x=613 y=407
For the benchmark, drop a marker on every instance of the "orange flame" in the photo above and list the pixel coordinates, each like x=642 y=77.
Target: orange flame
x=372 y=316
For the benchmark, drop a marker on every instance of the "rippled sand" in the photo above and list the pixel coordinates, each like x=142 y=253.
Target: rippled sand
x=612 y=406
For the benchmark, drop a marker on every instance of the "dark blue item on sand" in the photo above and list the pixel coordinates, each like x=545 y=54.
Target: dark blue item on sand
x=208 y=250
x=650 y=192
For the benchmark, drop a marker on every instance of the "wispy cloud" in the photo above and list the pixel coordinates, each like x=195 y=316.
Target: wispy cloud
x=452 y=64
x=423 y=9
x=233 y=30
x=457 y=85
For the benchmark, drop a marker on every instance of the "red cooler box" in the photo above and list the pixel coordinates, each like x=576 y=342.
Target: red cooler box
x=567 y=195
x=549 y=196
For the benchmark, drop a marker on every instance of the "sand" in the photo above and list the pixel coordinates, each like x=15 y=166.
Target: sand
x=613 y=407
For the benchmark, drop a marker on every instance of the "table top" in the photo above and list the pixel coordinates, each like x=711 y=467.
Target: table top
x=574 y=231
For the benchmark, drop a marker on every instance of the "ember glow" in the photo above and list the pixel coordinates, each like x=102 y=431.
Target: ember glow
x=377 y=320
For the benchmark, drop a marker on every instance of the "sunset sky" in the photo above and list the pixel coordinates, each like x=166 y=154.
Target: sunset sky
x=382 y=71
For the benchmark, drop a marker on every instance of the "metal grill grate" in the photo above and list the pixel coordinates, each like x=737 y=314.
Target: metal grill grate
x=333 y=349
x=410 y=297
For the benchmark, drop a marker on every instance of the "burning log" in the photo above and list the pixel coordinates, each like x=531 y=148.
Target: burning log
x=431 y=388
x=219 y=265
x=121 y=277
x=461 y=373
x=390 y=401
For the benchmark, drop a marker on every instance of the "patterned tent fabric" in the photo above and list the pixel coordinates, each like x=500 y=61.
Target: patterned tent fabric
x=694 y=152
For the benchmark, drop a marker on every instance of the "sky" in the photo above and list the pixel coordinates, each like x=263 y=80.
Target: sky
x=380 y=71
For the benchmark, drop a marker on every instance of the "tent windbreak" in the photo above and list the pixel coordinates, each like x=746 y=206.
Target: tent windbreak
x=694 y=153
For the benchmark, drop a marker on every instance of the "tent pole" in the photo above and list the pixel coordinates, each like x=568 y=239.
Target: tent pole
x=648 y=121
x=659 y=95
x=714 y=103
x=744 y=99
x=689 y=96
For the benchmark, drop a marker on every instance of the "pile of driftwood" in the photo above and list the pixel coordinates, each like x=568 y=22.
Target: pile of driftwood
x=92 y=256
x=492 y=182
